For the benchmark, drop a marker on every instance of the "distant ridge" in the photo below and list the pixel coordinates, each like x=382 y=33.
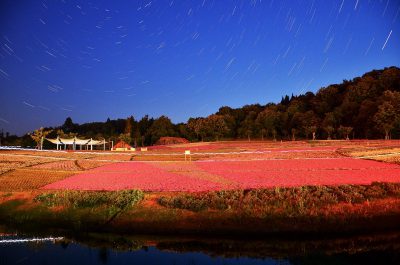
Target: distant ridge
x=364 y=107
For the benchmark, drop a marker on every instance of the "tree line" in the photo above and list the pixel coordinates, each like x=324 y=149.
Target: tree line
x=364 y=107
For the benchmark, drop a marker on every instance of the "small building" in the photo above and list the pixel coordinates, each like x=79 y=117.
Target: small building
x=122 y=146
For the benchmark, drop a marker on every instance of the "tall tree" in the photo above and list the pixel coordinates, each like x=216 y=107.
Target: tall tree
x=268 y=119
x=131 y=130
x=385 y=118
x=345 y=131
x=217 y=125
x=296 y=124
x=195 y=125
x=329 y=124
x=309 y=124
x=129 y=125
x=248 y=126
x=39 y=135
x=161 y=127
x=125 y=137
x=144 y=125
x=68 y=125
x=388 y=114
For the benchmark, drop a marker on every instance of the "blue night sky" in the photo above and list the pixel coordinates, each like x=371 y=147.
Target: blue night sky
x=100 y=59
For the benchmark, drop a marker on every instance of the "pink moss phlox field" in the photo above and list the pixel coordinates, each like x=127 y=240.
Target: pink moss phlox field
x=241 y=174
x=300 y=172
x=120 y=176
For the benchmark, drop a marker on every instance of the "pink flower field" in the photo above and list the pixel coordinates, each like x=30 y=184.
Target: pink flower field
x=216 y=175
x=132 y=175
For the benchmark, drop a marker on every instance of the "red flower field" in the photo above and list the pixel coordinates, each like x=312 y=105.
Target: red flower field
x=132 y=175
x=300 y=172
x=216 y=175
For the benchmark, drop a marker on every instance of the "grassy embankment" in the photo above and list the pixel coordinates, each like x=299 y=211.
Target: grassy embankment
x=302 y=210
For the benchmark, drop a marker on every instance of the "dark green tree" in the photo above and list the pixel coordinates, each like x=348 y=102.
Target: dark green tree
x=161 y=127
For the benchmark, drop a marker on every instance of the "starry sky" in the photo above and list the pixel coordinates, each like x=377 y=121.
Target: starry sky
x=100 y=59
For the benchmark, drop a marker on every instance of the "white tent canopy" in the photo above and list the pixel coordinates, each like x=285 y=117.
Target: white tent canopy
x=76 y=141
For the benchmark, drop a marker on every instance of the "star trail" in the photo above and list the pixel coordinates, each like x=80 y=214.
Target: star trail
x=112 y=59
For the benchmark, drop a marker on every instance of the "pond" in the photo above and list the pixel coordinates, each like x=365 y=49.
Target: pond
x=115 y=249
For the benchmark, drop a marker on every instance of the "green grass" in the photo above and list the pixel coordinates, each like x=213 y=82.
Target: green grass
x=5 y=195
x=300 y=209
x=81 y=210
x=285 y=201
x=118 y=200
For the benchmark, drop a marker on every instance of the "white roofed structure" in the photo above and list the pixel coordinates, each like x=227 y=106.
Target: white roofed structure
x=76 y=141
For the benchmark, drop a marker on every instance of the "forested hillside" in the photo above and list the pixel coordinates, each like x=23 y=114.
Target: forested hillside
x=365 y=107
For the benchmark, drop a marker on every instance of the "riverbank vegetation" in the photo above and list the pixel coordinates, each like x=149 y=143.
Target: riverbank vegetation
x=282 y=201
x=318 y=210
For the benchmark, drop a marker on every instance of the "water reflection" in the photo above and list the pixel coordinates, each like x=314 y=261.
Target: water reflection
x=110 y=249
x=79 y=254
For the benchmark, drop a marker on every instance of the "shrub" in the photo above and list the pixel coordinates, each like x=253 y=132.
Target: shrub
x=125 y=198
x=85 y=199
x=48 y=199
x=288 y=201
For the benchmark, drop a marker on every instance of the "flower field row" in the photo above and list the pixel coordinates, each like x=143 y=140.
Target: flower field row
x=214 y=166
x=215 y=175
x=137 y=175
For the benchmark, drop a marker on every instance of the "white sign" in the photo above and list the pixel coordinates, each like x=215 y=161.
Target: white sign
x=187 y=152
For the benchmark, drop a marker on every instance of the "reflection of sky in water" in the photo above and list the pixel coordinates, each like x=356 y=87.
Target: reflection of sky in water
x=76 y=254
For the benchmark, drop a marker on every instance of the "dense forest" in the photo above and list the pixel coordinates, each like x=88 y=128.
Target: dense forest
x=365 y=107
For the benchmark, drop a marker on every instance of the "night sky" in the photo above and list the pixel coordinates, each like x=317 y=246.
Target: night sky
x=100 y=59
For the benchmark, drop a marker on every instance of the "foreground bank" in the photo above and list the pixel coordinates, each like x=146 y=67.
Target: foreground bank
x=307 y=210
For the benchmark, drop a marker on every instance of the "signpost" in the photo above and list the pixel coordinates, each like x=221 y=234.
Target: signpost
x=187 y=153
